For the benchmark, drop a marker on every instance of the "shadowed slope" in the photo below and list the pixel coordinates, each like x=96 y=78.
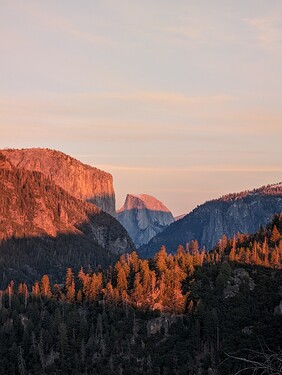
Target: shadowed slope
x=33 y=210
x=143 y=216
x=243 y=212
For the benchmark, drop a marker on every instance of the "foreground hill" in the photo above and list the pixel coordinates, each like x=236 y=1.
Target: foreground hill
x=143 y=216
x=42 y=227
x=80 y=180
x=191 y=313
x=243 y=212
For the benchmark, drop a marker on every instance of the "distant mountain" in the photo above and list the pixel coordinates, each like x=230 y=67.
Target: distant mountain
x=176 y=218
x=80 y=180
x=240 y=212
x=44 y=228
x=143 y=216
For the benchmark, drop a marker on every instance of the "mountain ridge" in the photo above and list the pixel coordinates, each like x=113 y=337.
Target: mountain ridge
x=237 y=212
x=80 y=180
x=35 y=213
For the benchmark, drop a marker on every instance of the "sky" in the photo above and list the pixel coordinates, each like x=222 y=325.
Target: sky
x=179 y=99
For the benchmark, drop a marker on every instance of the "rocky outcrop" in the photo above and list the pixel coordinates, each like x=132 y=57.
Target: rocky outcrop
x=143 y=216
x=233 y=213
x=278 y=309
x=39 y=219
x=239 y=276
x=80 y=180
x=163 y=322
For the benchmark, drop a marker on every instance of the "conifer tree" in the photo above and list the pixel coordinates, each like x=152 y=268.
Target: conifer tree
x=160 y=259
x=275 y=235
x=121 y=280
x=21 y=362
x=36 y=290
x=45 y=288
x=70 y=286
x=95 y=286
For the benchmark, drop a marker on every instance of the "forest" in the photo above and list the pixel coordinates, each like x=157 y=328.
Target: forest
x=189 y=313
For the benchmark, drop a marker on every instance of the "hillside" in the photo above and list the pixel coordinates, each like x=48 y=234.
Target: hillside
x=191 y=313
x=243 y=212
x=44 y=227
x=80 y=180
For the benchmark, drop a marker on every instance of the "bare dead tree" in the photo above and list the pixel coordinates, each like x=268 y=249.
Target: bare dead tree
x=264 y=362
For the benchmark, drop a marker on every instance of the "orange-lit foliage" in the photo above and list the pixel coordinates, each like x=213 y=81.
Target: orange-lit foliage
x=133 y=281
x=158 y=283
x=262 y=249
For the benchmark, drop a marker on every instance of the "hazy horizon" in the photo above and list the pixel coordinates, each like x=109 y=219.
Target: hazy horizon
x=180 y=100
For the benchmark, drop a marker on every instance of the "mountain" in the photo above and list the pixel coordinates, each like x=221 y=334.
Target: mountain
x=176 y=218
x=143 y=216
x=80 y=180
x=44 y=227
x=240 y=212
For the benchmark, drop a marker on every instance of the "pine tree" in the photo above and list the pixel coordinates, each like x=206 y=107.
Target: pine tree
x=95 y=286
x=25 y=294
x=70 y=286
x=36 y=290
x=108 y=293
x=275 y=235
x=21 y=362
x=45 y=288
x=10 y=291
x=121 y=280
x=160 y=260
x=63 y=340
x=137 y=294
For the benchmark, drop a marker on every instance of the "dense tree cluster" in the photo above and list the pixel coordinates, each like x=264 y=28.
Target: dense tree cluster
x=262 y=249
x=156 y=284
x=189 y=313
x=271 y=189
x=83 y=327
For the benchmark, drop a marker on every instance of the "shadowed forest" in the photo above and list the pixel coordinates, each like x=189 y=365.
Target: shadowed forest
x=187 y=313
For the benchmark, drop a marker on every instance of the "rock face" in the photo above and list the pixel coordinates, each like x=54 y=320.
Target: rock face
x=233 y=213
x=143 y=216
x=40 y=221
x=239 y=276
x=80 y=180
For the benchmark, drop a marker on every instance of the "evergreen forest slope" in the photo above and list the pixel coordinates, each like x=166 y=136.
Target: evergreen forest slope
x=45 y=229
x=242 y=212
x=188 y=313
x=80 y=180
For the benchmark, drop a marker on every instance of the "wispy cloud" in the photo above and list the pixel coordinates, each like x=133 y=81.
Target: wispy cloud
x=163 y=97
x=195 y=30
x=88 y=99
x=268 y=30
x=194 y=169
x=85 y=116
x=57 y=22
x=92 y=103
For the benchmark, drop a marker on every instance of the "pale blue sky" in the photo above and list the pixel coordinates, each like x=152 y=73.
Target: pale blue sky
x=177 y=99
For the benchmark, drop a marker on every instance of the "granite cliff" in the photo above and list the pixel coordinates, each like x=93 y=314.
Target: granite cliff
x=243 y=212
x=40 y=223
x=80 y=180
x=143 y=216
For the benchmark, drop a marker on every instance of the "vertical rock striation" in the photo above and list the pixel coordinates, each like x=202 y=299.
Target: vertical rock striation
x=43 y=227
x=80 y=180
x=242 y=212
x=143 y=216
